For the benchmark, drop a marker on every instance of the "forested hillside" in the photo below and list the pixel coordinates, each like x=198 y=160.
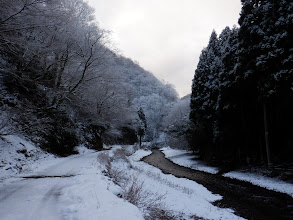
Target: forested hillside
x=242 y=92
x=63 y=83
x=177 y=124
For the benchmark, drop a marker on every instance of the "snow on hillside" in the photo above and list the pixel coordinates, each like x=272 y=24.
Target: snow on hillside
x=19 y=156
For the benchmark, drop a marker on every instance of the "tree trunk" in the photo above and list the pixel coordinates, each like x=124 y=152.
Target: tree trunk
x=266 y=127
x=242 y=149
x=139 y=141
x=260 y=150
x=55 y=72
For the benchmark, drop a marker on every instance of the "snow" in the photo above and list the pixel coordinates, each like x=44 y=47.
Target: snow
x=18 y=155
x=180 y=195
x=92 y=196
x=19 y=142
x=186 y=159
x=83 y=150
x=139 y=154
x=263 y=181
x=76 y=187
x=84 y=192
x=86 y=195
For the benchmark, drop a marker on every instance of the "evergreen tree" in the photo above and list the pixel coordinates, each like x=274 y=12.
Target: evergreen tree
x=265 y=66
x=225 y=126
x=142 y=125
x=242 y=94
x=204 y=96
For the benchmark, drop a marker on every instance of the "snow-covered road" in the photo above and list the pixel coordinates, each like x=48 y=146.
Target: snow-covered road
x=37 y=198
x=31 y=199
x=69 y=189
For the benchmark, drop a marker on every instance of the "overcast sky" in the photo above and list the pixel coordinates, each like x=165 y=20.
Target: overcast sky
x=166 y=36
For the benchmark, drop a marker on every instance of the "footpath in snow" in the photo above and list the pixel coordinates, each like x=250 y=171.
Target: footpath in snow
x=186 y=159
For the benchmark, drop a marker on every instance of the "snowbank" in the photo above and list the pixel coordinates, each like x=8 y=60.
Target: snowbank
x=139 y=154
x=186 y=159
x=19 y=156
x=263 y=181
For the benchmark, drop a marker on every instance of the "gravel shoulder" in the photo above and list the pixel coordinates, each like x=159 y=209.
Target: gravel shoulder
x=248 y=201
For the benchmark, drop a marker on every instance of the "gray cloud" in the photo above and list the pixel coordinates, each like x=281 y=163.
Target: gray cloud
x=166 y=36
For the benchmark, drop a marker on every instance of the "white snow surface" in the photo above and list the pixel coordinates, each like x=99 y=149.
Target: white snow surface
x=85 y=194
x=186 y=159
x=19 y=156
x=139 y=154
x=263 y=181
x=75 y=187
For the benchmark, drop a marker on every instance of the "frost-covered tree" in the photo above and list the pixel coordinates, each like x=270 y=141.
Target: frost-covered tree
x=61 y=65
x=156 y=108
x=177 y=125
x=205 y=91
x=205 y=82
x=145 y=91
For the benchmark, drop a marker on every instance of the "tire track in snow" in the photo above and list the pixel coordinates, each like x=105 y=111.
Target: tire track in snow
x=47 y=208
x=8 y=191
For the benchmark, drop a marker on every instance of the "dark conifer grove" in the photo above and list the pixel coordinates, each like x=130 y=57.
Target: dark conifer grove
x=242 y=91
